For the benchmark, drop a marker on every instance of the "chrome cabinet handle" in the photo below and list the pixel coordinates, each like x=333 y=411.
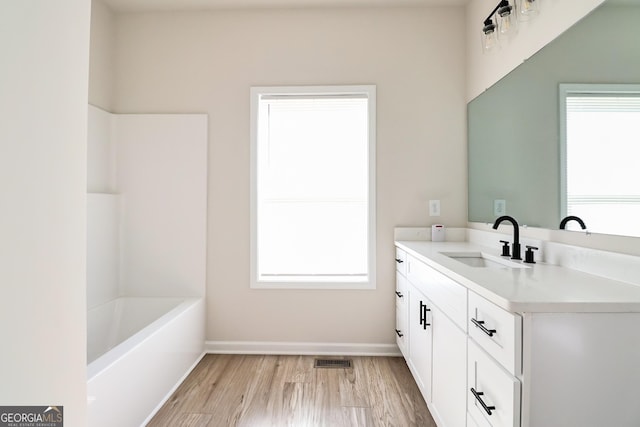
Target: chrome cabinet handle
x=480 y=324
x=399 y=333
x=477 y=395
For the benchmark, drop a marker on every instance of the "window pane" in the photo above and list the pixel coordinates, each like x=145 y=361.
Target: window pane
x=313 y=238
x=314 y=149
x=312 y=188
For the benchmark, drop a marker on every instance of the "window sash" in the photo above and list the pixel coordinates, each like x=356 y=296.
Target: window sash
x=352 y=207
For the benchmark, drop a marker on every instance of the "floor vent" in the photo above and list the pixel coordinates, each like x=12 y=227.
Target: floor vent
x=332 y=363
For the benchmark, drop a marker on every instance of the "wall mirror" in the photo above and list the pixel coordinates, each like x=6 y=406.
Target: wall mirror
x=515 y=162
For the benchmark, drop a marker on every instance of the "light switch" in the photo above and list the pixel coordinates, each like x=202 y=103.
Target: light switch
x=499 y=207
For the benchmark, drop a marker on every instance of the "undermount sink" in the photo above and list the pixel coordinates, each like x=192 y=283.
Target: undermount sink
x=482 y=260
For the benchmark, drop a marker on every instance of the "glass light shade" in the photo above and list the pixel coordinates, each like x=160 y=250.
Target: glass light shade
x=489 y=38
x=527 y=9
x=507 y=24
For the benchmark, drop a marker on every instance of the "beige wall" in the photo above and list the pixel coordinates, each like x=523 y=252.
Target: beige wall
x=101 y=65
x=43 y=163
x=206 y=62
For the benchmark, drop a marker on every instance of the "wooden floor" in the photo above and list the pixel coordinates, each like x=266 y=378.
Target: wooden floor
x=256 y=391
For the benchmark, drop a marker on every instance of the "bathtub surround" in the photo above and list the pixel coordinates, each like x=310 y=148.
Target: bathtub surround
x=101 y=152
x=149 y=212
x=103 y=248
x=146 y=242
x=162 y=179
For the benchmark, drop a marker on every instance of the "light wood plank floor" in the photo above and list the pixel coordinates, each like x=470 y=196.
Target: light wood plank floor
x=257 y=391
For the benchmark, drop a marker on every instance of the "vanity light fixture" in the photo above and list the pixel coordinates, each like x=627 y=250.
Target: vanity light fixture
x=505 y=25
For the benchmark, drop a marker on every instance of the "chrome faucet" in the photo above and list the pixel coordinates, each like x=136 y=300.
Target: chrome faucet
x=566 y=219
x=515 y=246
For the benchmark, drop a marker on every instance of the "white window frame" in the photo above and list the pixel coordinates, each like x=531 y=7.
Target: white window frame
x=359 y=90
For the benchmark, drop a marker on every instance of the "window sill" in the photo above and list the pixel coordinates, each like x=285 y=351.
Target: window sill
x=329 y=285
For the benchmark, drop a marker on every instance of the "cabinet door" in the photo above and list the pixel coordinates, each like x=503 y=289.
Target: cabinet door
x=449 y=370
x=420 y=341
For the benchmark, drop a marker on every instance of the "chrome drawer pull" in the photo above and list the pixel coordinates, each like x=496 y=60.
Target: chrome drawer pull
x=400 y=334
x=399 y=294
x=480 y=324
x=477 y=395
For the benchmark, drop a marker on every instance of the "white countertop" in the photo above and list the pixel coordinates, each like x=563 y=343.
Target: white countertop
x=540 y=288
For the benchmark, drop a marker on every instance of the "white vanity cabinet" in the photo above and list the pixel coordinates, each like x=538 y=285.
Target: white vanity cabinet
x=541 y=347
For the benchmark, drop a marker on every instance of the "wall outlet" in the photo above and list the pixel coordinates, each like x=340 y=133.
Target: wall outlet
x=499 y=207
x=434 y=207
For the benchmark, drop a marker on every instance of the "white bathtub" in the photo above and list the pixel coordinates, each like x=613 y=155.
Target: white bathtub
x=138 y=352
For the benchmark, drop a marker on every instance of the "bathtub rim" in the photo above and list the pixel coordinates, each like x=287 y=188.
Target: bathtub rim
x=103 y=362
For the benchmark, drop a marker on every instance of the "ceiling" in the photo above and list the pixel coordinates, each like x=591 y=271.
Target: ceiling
x=176 y=5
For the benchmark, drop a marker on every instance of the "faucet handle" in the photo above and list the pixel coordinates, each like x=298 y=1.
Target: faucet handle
x=505 y=248
x=528 y=255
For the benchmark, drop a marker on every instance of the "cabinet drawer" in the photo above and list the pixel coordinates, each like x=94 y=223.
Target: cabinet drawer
x=494 y=395
x=448 y=295
x=497 y=331
x=401 y=261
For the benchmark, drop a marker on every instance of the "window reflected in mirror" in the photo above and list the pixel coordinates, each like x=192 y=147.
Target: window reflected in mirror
x=600 y=148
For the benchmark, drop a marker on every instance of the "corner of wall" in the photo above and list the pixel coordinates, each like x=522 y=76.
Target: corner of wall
x=102 y=56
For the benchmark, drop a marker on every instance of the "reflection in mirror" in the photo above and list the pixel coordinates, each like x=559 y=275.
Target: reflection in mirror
x=601 y=132
x=514 y=127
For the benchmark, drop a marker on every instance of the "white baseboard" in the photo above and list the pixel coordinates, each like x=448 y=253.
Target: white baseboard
x=301 y=348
